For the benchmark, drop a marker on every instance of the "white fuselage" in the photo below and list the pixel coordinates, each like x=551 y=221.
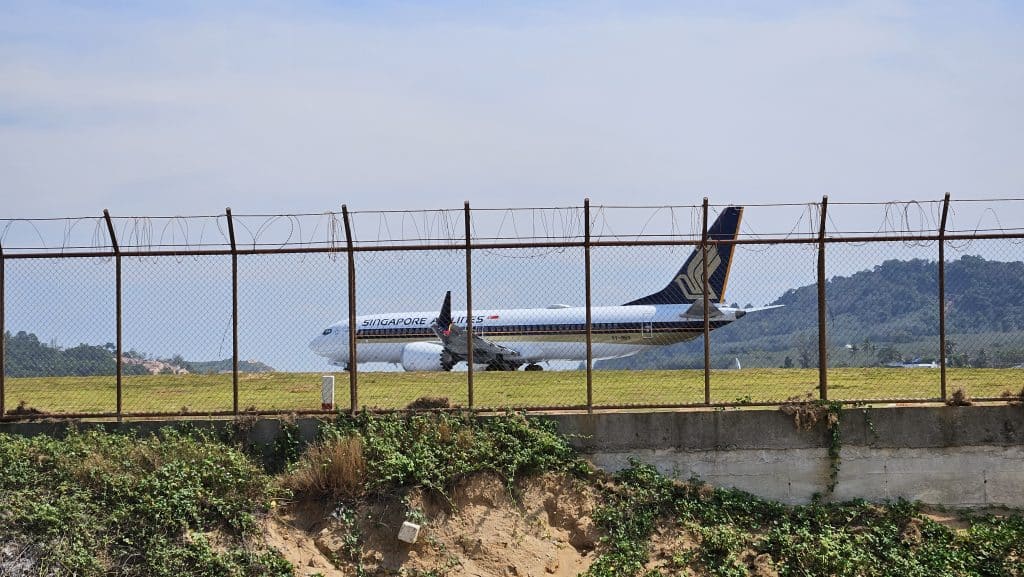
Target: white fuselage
x=557 y=333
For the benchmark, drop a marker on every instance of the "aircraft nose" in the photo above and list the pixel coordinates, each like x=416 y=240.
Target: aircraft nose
x=321 y=345
x=316 y=345
x=330 y=343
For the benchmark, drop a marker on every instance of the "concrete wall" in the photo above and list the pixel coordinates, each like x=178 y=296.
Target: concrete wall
x=954 y=456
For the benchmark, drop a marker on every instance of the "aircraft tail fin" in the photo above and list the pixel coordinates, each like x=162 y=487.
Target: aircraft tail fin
x=688 y=285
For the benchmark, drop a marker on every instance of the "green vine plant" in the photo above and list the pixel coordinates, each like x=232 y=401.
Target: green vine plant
x=702 y=530
x=807 y=413
x=835 y=443
x=287 y=446
x=868 y=423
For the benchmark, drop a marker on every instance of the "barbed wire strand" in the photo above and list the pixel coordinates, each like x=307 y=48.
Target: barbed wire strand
x=906 y=219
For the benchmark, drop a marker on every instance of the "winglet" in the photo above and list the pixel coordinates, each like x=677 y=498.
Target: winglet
x=444 y=320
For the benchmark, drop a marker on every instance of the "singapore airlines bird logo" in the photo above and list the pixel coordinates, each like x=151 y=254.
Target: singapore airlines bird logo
x=691 y=281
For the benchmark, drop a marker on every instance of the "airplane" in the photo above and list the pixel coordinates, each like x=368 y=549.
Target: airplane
x=507 y=339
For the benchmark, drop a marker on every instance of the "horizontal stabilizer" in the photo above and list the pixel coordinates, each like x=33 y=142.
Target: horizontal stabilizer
x=768 y=308
x=696 y=310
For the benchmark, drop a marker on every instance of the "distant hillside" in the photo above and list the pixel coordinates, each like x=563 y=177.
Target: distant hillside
x=885 y=314
x=27 y=356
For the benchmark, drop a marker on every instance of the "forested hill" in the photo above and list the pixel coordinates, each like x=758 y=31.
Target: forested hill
x=898 y=298
x=895 y=304
x=26 y=356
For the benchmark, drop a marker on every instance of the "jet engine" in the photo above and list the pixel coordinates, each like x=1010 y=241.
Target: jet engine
x=426 y=357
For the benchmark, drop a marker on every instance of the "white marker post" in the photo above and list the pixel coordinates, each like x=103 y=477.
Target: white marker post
x=327 y=393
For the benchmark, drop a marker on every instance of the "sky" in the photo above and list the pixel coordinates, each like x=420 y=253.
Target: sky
x=185 y=108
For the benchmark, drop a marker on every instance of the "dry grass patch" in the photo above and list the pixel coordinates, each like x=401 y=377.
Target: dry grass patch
x=1015 y=399
x=960 y=398
x=331 y=468
x=429 y=403
x=806 y=412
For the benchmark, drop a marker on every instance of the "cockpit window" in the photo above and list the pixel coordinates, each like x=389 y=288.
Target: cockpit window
x=328 y=331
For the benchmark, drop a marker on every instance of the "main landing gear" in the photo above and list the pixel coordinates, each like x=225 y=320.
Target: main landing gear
x=500 y=364
x=533 y=367
x=447 y=361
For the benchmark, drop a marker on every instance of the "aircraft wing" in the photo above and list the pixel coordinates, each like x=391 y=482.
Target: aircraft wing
x=455 y=340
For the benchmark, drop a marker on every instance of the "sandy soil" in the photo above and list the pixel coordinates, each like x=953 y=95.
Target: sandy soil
x=544 y=529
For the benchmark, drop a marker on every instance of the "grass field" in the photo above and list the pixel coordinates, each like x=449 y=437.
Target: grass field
x=301 y=391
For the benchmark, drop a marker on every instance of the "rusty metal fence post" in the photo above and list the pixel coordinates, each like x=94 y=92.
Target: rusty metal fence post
x=353 y=387
x=3 y=334
x=469 y=306
x=589 y=327
x=707 y=301
x=822 y=334
x=942 y=297
x=118 y=298
x=234 y=310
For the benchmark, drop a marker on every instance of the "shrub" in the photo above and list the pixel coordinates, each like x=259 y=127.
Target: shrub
x=429 y=403
x=435 y=450
x=959 y=398
x=333 y=467
x=98 y=503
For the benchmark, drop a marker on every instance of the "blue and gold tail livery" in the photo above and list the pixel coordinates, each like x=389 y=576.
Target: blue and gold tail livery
x=688 y=285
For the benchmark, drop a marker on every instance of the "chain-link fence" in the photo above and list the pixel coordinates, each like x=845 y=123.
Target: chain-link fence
x=552 y=308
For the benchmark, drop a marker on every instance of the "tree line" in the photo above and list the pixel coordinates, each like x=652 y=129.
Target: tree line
x=27 y=356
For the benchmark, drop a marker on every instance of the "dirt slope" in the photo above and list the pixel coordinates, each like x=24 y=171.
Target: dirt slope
x=546 y=529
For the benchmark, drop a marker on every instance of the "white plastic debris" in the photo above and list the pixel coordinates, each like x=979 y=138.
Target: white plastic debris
x=409 y=532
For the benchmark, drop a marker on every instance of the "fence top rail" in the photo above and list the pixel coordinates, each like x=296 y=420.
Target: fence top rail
x=767 y=404
x=15 y=254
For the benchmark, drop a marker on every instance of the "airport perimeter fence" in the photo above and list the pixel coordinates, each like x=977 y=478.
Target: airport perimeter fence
x=111 y=317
